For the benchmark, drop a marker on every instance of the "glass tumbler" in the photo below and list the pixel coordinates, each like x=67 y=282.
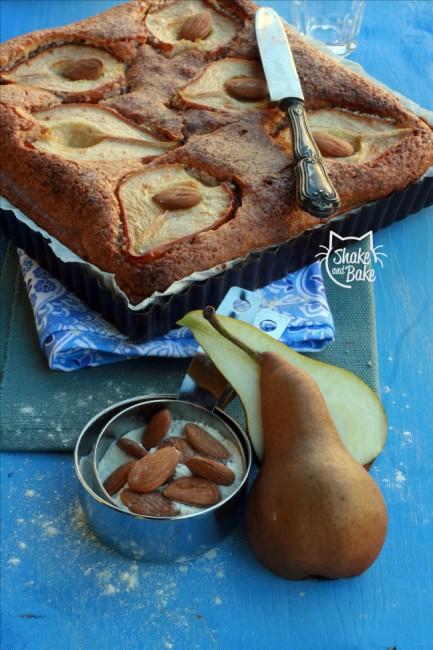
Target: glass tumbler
x=334 y=22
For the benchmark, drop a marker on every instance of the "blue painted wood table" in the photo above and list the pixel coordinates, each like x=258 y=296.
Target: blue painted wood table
x=61 y=589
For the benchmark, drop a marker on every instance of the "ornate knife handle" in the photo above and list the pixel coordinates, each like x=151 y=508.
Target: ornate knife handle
x=314 y=191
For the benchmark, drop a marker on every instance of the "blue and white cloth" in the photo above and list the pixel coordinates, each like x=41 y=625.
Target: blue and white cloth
x=73 y=336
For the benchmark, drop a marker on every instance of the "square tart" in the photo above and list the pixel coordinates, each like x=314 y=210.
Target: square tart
x=144 y=139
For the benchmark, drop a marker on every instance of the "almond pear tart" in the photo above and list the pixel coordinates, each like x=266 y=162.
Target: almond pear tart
x=144 y=138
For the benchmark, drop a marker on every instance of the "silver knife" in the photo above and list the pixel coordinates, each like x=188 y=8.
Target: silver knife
x=314 y=191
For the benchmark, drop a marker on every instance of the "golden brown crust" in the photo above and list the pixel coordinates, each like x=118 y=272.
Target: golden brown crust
x=119 y=30
x=152 y=81
x=44 y=186
x=326 y=82
x=77 y=201
x=31 y=99
x=392 y=171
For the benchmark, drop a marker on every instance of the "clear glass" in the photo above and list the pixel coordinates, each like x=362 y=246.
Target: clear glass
x=334 y=22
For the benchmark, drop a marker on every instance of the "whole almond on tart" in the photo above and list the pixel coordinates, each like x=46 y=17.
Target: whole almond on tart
x=178 y=198
x=152 y=504
x=247 y=88
x=204 y=443
x=331 y=146
x=193 y=491
x=211 y=470
x=118 y=478
x=89 y=69
x=156 y=428
x=153 y=469
x=196 y=27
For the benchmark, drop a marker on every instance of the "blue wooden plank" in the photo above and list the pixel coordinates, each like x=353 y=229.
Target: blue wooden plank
x=67 y=586
x=56 y=578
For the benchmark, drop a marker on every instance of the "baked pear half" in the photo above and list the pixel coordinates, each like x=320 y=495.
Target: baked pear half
x=354 y=137
x=72 y=71
x=166 y=204
x=84 y=132
x=191 y=24
x=230 y=84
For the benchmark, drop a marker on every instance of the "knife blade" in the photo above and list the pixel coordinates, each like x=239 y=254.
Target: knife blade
x=314 y=190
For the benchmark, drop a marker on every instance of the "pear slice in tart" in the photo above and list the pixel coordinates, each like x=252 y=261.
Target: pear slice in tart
x=167 y=204
x=187 y=24
x=230 y=84
x=84 y=132
x=70 y=70
x=349 y=137
x=370 y=136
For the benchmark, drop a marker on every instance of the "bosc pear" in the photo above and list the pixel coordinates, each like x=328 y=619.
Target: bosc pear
x=313 y=509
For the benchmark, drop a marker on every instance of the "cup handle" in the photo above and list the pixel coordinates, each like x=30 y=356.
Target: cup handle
x=193 y=388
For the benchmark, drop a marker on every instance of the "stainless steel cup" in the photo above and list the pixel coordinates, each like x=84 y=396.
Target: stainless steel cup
x=155 y=539
x=85 y=446
x=165 y=539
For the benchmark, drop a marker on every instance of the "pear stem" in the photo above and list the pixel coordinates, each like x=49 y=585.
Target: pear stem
x=210 y=315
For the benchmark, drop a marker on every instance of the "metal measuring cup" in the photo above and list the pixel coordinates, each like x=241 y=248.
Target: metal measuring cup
x=164 y=538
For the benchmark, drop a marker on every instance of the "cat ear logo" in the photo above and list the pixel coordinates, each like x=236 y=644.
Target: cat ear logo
x=348 y=260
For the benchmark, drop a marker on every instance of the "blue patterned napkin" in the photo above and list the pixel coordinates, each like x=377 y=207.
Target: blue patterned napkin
x=73 y=336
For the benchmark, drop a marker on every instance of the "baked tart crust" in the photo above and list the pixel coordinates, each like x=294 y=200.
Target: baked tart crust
x=95 y=115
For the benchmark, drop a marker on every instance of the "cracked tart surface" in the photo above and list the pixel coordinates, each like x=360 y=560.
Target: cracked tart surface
x=144 y=140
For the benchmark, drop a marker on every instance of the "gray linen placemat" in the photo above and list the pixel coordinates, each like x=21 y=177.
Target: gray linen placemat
x=43 y=409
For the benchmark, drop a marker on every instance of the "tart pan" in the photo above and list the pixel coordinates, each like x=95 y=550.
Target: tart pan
x=256 y=270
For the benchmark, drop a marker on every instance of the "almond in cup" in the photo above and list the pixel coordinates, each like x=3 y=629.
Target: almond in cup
x=189 y=467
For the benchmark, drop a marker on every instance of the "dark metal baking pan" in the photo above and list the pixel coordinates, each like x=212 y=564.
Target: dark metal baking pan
x=253 y=272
